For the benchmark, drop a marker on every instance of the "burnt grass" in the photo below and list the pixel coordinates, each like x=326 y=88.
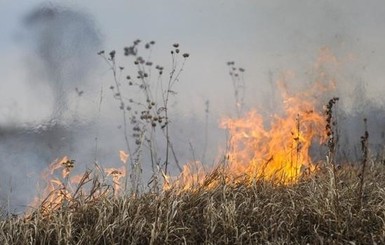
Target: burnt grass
x=312 y=211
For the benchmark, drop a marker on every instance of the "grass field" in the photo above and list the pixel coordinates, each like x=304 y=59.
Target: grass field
x=313 y=211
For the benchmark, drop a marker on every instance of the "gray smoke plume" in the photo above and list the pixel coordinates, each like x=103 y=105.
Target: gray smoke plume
x=61 y=44
x=65 y=41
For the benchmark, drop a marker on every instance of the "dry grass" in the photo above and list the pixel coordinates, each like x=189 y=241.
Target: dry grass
x=228 y=214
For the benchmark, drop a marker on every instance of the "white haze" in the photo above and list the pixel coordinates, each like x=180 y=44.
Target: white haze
x=44 y=60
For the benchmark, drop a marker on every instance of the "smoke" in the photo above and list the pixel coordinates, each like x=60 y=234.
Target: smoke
x=61 y=45
x=65 y=42
x=344 y=32
x=356 y=103
x=340 y=75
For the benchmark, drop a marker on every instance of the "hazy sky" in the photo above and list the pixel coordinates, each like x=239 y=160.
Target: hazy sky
x=262 y=36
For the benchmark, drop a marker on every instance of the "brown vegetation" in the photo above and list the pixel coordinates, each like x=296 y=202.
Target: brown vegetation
x=258 y=213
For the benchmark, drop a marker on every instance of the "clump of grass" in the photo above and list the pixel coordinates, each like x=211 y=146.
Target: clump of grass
x=364 y=163
x=239 y=213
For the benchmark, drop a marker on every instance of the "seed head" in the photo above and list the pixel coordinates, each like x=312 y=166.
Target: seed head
x=137 y=41
x=130 y=51
x=112 y=54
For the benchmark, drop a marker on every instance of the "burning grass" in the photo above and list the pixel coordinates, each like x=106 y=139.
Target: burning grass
x=266 y=190
x=238 y=213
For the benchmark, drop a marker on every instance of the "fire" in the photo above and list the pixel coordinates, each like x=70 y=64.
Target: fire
x=58 y=189
x=123 y=156
x=278 y=152
x=275 y=149
x=61 y=189
x=117 y=174
x=191 y=177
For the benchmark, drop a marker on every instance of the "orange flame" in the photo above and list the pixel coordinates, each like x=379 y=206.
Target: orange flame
x=62 y=189
x=56 y=191
x=278 y=153
x=191 y=177
x=117 y=174
x=123 y=156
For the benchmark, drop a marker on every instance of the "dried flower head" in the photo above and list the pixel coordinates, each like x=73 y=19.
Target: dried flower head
x=112 y=54
x=130 y=51
x=137 y=41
